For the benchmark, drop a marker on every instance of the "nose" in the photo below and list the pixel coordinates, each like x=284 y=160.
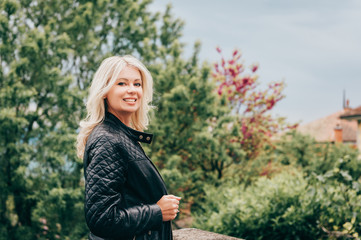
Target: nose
x=131 y=88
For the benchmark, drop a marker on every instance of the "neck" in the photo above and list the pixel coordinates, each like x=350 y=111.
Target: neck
x=124 y=118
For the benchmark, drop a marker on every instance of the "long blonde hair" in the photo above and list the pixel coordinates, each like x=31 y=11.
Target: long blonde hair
x=104 y=78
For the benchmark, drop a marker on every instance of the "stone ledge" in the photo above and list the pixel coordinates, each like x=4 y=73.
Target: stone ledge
x=196 y=234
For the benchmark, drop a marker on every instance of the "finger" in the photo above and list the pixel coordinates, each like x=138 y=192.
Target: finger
x=170 y=217
x=174 y=197
x=174 y=201
x=171 y=205
x=170 y=211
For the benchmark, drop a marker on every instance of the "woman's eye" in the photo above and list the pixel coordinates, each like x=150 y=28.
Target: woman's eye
x=121 y=83
x=137 y=84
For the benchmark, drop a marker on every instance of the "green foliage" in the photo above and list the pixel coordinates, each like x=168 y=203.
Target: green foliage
x=185 y=102
x=315 y=158
x=52 y=215
x=309 y=191
x=49 y=51
x=277 y=208
x=193 y=137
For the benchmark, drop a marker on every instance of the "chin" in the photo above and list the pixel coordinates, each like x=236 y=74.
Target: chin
x=131 y=110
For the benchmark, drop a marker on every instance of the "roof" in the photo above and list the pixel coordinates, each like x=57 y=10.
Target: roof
x=352 y=114
x=323 y=129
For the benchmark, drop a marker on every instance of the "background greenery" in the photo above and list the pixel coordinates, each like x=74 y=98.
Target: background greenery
x=214 y=147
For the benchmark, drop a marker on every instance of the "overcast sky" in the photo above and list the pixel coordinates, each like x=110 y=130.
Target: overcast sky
x=313 y=45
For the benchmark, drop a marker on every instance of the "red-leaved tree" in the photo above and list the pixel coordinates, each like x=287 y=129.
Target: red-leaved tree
x=251 y=104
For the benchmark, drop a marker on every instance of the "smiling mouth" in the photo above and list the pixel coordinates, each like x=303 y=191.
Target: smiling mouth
x=130 y=100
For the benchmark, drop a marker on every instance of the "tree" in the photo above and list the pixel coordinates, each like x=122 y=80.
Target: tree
x=49 y=51
x=191 y=145
x=251 y=104
x=201 y=137
x=184 y=104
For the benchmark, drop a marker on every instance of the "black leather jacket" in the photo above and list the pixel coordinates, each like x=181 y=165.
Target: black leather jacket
x=122 y=186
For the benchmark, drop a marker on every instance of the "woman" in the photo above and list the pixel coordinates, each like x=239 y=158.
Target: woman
x=125 y=196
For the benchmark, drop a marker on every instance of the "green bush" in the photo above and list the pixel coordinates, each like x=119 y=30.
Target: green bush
x=286 y=206
x=340 y=198
x=315 y=158
x=277 y=208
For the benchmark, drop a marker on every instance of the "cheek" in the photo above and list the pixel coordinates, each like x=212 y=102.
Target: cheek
x=116 y=92
x=140 y=93
x=113 y=97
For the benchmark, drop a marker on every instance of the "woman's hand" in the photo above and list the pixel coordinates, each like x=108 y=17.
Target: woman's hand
x=169 y=205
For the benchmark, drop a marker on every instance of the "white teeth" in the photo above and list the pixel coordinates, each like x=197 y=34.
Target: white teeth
x=129 y=100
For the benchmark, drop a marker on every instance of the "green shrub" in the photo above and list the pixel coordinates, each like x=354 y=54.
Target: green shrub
x=315 y=158
x=286 y=206
x=340 y=198
x=277 y=208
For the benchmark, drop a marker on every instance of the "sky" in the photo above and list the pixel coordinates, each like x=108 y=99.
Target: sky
x=312 y=45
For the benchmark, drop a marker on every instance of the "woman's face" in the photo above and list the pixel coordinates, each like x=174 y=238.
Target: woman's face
x=124 y=98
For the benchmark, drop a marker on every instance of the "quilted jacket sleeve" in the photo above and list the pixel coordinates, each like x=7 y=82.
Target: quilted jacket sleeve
x=105 y=176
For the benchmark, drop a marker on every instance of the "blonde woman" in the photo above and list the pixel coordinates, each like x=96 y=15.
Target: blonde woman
x=125 y=196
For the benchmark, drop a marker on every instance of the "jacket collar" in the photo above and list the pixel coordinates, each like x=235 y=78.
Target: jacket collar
x=132 y=133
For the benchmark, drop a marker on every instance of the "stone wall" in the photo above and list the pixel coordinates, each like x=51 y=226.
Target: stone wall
x=196 y=234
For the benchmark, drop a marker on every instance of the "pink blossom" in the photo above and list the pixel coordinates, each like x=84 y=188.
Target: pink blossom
x=233 y=73
x=254 y=68
x=246 y=80
x=220 y=89
x=216 y=67
x=244 y=129
x=270 y=104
